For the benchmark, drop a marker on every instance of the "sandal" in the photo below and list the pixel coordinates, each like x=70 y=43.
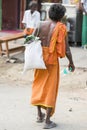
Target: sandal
x=41 y=119
x=50 y=125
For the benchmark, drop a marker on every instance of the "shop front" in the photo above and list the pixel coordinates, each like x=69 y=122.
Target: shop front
x=12 y=11
x=71 y=14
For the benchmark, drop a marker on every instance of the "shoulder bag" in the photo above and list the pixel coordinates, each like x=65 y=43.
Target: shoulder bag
x=33 y=55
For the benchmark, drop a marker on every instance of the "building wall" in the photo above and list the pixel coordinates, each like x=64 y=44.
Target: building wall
x=11 y=14
x=0 y=14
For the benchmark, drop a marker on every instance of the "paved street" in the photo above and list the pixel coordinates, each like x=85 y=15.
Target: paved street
x=16 y=112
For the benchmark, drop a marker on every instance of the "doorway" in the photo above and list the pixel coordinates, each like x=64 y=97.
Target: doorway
x=10 y=14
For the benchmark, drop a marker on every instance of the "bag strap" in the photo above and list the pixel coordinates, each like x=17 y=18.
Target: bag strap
x=37 y=30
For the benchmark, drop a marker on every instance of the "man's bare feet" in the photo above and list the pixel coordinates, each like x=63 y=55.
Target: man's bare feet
x=40 y=119
x=49 y=125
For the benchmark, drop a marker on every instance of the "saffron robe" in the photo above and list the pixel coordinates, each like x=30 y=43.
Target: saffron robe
x=46 y=82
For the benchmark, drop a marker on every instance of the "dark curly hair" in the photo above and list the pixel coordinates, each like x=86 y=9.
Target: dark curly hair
x=56 y=12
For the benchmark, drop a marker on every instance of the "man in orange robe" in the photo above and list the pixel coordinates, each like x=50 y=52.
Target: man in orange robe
x=53 y=35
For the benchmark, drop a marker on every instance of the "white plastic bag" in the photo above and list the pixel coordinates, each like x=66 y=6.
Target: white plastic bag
x=33 y=57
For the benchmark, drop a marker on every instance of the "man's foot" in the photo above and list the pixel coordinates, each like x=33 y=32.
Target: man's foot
x=40 y=119
x=49 y=125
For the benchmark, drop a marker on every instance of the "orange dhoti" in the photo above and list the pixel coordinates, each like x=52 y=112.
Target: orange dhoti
x=45 y=86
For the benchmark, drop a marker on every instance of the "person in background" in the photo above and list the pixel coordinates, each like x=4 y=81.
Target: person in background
x=31 y=18
x=79 y=19
x=84 y=24
x=53 y=34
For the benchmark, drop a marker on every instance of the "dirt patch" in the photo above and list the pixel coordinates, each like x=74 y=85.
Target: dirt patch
x=11 y=72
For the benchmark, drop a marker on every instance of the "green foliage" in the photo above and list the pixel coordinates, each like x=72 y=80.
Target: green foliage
x=29 y=39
